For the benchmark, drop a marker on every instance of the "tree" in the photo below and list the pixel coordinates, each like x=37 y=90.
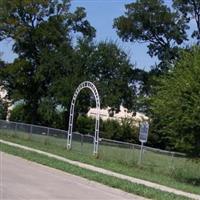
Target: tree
x=18 y=114
x=110 y=69
x=42 y=32
x=176 y=105
x=164 y=31
x=190 y=9
x=110 y=129
x=3 y=103
x=85 y=125
x=3 y=109
x=50 y=66
x=151 y=21
x=2 y=63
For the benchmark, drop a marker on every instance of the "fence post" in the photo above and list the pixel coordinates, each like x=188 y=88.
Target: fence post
x=141 y=152
x=15 y=131
x=172 y=160
x=46 y=141
x=133 y=153
x=82 y=142
x=48 y=131
x=31 y=131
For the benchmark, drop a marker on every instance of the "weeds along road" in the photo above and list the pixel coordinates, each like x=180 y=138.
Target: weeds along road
x=22 y=179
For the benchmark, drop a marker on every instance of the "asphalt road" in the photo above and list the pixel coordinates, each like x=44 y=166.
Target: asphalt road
x=22 y=179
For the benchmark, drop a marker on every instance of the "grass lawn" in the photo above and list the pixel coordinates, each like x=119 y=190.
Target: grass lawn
x=107 y=180
x=185 y=176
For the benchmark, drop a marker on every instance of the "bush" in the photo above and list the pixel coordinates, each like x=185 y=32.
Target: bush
x=49 y=115
x=85 y=125
x=129 y=131
x=3 y=110
x=110 y=129
x=175 y=105
x=18 y=113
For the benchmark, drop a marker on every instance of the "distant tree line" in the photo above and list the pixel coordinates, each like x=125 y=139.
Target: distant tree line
x=56 y=51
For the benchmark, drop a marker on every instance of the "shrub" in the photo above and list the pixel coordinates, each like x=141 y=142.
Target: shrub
x=18 y=113
x=3 y=109
x=110 y=129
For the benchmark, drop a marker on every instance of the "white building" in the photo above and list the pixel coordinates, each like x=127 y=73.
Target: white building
x=3 y=96
x=3 y=92
x=122 y=114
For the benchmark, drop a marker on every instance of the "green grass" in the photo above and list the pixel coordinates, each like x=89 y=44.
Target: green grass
x=185 y=175
x=107 y=180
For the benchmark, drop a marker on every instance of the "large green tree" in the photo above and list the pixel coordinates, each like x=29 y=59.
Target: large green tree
x=3 y=103
x=190 y=10
x=164 y=29
x=50 y=65
x=3 y=109
x=175 y=106
x=109 y=67
x=42 y=32
x=153 y=22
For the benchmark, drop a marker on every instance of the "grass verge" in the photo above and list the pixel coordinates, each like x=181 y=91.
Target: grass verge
x=134 y=171
x=104 y=179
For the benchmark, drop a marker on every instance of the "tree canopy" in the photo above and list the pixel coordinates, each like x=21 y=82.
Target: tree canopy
x=151 y=21
x=190 y=10
x=175 y=106
x=42 y=34
x=109 y=67
x=50 y=65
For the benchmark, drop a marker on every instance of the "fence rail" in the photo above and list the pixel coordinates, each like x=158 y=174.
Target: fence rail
x=113 y=150
x=47 y=131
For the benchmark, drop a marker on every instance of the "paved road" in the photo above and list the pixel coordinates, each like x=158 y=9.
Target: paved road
x=106 y=172
x=22 y=179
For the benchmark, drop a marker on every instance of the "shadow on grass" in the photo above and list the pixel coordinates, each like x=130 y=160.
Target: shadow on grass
x=193 y=181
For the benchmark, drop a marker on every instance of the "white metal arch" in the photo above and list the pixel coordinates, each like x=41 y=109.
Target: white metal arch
x=91 y=86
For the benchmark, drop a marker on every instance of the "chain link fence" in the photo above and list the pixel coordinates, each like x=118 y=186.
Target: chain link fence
x=111 y=150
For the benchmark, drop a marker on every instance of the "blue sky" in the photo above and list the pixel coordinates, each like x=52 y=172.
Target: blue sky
x=101 y=14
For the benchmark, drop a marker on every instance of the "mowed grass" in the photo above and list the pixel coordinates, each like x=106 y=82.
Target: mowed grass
x=101 y=178
x=178 y=173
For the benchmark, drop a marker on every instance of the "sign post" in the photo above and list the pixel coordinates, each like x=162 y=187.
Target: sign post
x=143 y=136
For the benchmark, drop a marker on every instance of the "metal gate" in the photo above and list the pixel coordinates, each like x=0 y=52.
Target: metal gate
x=91 y=86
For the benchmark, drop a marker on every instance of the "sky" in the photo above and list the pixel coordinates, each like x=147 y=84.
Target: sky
x=101 y=13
